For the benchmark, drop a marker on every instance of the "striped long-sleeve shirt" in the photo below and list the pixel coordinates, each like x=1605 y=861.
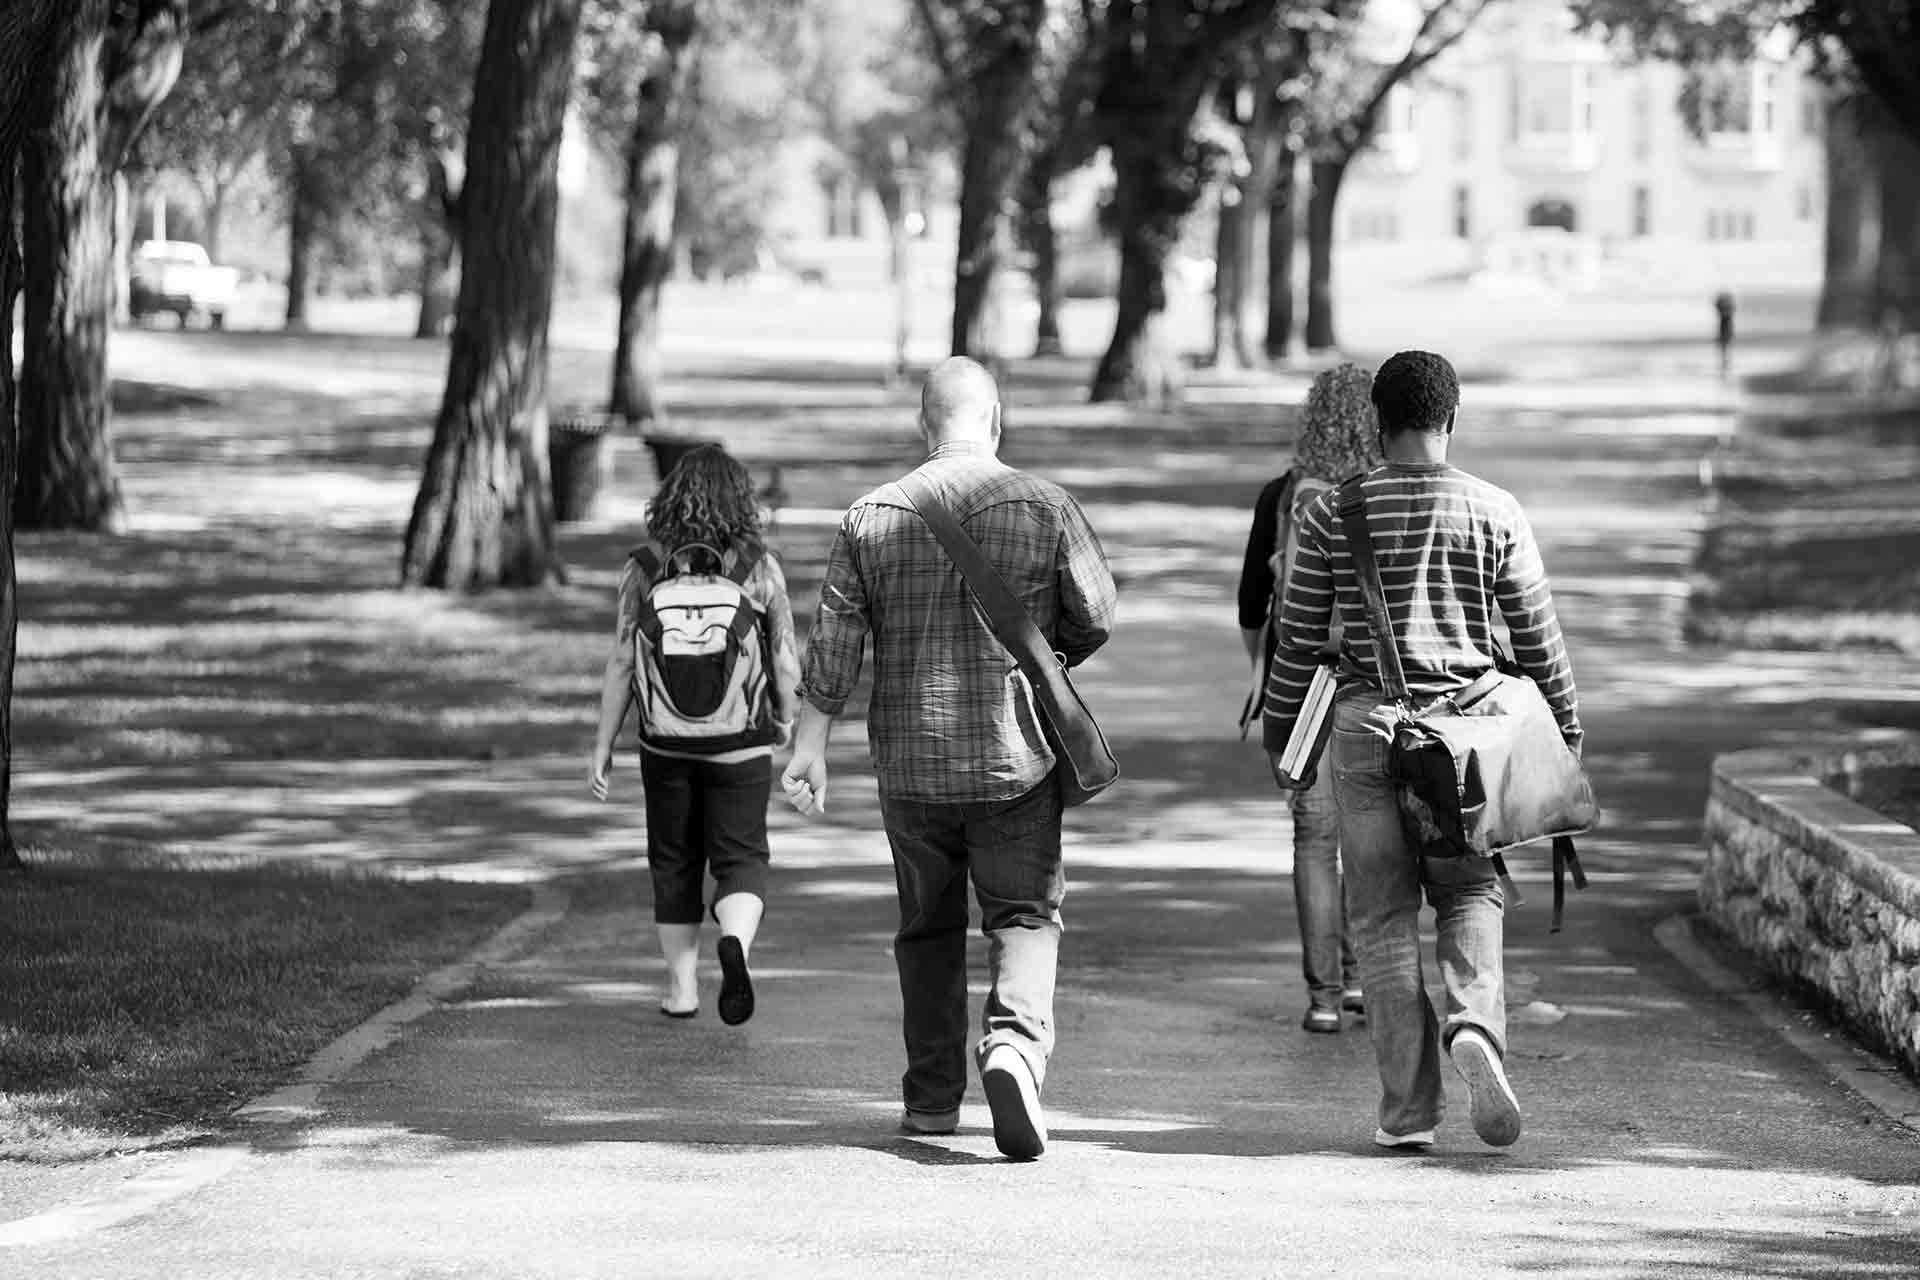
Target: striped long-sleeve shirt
x=1452 y=550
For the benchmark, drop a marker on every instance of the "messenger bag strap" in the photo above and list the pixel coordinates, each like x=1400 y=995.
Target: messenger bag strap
x=1012 y=625
x=1352 y=506
x=1566 y=861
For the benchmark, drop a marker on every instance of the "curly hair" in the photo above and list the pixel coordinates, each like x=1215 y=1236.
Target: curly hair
x=1416 y=391
x=1337 y=436
x=707 y=498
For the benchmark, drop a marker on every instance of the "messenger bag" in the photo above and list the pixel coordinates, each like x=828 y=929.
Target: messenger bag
x=1481 y=770
x=1084 y=764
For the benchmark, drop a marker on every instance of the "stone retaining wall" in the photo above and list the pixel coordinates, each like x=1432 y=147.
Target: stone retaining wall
x=1822 y=891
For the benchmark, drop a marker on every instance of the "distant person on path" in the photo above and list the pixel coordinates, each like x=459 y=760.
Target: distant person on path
x=1723 y=331
x=1453 y=551
x=714 y=701
x=1338 y=438
x=965 y=774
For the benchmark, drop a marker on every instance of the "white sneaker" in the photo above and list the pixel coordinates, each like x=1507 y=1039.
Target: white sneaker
x=1496 y=1112
x=1018 y=1128
x=1418 y=1138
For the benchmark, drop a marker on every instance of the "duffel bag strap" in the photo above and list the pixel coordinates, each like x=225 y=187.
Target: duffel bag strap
x=1566 y=861
x=1352 y=505
x=1509 y=890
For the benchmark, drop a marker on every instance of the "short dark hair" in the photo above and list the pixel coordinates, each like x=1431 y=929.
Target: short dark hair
x=1415 y=391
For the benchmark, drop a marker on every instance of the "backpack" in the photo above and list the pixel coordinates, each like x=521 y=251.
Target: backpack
x=702 y=657
x=1295 y=497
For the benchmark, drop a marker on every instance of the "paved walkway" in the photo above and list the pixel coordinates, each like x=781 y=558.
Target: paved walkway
x=551 y=1123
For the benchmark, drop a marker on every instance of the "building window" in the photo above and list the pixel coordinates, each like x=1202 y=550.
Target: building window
x=1374 y=224
x=1726 y=101
x=843 y=208
x=1810 y=113
x=1583 y=85
x=1642 y=212
x=1462 y=212
x=1642 y=122
x=1766 y=99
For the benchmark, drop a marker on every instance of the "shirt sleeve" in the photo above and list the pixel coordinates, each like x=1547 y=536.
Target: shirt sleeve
x=626 y=616
x=1526 y=602
x=837 y=643
x=1088 y=596
x=1305 y=616
x=781 y=638
x=1256 y=573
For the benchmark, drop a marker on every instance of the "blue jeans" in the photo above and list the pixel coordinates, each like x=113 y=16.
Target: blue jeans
x=1011 y=851
x=1326 y=952
x=1384 y=883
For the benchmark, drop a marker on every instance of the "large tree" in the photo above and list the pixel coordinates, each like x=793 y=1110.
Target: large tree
x=484 y=514
x=638 y=81
x=988 y=53
x=1354 y=74
x=1061 y=137
x=108 y=66
x=1160 y=59
x=26 y=36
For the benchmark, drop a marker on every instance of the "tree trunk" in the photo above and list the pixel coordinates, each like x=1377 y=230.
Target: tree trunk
x=1846 y=287
x=439 y=251
x=1896 y=282
x=1038 y=235
x=1233 y=270
x=652 y=190
x=1140 y=363
x=123 y=237
x=214 y=214
x=66 y=477
x=997 y=99
x=893 y=208
x=10 y=278
x=439 y=280
x=484 y=514
x=302 y=230
x=1282 y=195
x=1321 y=204
x=24 y=33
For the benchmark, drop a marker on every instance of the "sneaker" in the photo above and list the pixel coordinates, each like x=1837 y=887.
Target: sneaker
x=1496 y=1112
x=929 y=1123
x=1322 y=1021
x=1351 y=1001
x=1403 y=1141
x=1014 y=1099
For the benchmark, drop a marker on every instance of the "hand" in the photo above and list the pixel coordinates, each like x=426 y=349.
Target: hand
x=805 y=784
x=1287 y=782
x=597 y=773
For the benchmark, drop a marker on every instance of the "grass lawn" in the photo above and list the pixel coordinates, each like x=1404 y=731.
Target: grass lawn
x=140 y=1003
x=1814 y=540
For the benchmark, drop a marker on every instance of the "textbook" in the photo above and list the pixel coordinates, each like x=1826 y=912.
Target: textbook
x=1310 y=728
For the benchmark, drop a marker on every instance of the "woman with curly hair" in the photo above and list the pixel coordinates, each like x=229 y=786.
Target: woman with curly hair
x=1338 y=438
x=707 y=779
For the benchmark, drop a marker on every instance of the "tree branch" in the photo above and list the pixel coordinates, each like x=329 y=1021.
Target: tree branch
x=939 y=46
x=1358 y=127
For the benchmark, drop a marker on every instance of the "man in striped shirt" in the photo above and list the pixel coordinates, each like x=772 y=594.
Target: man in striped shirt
x=1454 y=552
x=965 y=772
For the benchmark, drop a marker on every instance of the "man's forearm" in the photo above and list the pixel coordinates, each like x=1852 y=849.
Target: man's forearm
x=811 y=734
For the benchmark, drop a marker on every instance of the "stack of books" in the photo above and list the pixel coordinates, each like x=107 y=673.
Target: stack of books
x=1310 y=729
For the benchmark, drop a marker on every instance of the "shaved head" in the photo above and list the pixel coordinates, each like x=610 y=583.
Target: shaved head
x=959 y=401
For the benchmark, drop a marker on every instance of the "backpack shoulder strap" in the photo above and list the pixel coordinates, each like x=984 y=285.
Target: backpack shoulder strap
x=745 y=561
x=648 y=559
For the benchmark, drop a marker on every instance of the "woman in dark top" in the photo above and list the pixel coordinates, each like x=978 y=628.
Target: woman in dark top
x=1338 y=438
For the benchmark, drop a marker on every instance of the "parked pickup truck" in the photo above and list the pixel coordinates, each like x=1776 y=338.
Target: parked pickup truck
x=176 y=276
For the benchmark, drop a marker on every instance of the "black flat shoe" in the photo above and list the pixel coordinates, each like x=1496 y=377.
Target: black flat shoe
x=736 y=984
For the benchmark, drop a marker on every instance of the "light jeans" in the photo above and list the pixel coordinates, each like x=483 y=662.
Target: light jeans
x=1384 y=884
x=1326 y=952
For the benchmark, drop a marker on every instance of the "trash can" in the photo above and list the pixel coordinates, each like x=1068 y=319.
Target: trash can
x=580 y=455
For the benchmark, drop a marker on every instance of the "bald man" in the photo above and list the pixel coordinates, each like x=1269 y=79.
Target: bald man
x=967 y=788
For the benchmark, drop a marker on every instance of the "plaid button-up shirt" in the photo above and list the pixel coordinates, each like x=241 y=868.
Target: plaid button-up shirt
x=952 y=718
